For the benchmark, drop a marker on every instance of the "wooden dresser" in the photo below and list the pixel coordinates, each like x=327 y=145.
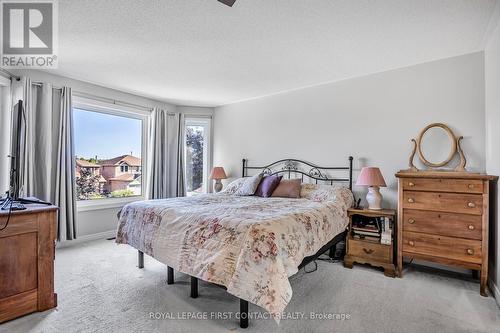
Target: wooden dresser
x=443 y=217
x=27 y=248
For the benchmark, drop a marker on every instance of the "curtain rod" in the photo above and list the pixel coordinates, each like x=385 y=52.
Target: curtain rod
x=118 y=102
x=9 y=74
x=100 y=98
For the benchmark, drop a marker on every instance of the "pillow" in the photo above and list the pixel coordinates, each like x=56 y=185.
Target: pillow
x=249 y=185
x=267 y=186
x=288 y=188
x=233 y=186
x=320 y=192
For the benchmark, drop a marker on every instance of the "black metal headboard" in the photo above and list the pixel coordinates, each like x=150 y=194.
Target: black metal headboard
x=295 y=167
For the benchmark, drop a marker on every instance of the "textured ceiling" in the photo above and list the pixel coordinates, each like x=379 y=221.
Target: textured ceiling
x=201 y=52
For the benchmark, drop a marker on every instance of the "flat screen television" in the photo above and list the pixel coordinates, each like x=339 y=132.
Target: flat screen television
x=17 y=142
x=18 y=139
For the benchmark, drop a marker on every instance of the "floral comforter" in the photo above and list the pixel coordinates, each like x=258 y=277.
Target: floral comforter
x=250 y=245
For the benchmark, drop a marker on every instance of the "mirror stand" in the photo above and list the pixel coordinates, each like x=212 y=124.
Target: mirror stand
x=455 y=149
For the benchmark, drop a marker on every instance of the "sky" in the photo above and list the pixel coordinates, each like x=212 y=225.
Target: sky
x=105 y=135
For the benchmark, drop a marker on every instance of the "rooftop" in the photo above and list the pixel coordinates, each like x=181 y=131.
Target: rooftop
x=86 y=164
x=128 y=159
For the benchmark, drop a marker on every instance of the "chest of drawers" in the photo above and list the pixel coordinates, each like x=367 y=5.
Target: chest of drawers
x=443 y=217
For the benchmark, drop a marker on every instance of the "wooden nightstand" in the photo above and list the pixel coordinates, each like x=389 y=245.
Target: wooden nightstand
x=370 y=250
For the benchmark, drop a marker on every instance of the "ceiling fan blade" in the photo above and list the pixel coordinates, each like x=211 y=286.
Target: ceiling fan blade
x=229 y=3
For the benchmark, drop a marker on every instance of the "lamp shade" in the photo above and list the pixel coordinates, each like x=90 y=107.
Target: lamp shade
x=218 y=173
x=370 y=176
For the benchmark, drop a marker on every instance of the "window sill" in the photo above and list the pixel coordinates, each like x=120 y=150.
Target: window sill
x=89 y=205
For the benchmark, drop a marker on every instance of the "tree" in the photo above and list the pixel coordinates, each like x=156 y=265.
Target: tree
x=87 y=185
x=194 y=158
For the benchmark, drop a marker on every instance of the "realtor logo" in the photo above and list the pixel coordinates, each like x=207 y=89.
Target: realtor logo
x=29 y=33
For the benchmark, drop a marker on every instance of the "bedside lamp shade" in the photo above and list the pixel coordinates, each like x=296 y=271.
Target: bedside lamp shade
x=218 y=173
x=371 y=176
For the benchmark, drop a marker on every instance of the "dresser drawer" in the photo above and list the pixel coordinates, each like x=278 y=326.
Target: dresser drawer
x=441 y=223
x=460 y=249
x=444 y=202
x=367 y=249
x=443 y=185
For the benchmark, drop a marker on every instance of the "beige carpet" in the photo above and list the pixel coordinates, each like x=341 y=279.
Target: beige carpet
x=100 y=289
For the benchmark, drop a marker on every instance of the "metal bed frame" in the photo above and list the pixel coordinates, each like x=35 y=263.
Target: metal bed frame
x=289 y=168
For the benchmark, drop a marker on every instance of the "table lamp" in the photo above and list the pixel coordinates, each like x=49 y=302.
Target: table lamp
x=218 y=173
x=372 y=177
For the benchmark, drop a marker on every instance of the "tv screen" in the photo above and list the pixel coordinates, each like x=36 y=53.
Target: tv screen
x=18 y=135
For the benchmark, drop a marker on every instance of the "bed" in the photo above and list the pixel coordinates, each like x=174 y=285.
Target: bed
x=246 y=244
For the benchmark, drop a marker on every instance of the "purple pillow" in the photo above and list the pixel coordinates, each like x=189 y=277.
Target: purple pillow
x=267 y=186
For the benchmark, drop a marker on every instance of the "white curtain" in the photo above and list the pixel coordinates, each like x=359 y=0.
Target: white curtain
x=166 y=155
x=5 y=121
x=47 y=157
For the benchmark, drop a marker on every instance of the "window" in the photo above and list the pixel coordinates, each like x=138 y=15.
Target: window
x=108 y=143
x=197 y=155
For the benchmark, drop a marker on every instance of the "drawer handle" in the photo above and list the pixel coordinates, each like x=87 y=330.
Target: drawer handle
x=411 y=243
x=368 y=251
x=411 y=221
x=471 y=227
x=411 y=200
x=470 y=252
x=471 y=186
x=471 y=205
x=411 y=184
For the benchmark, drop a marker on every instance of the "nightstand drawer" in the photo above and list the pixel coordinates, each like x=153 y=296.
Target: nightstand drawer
x=443 y=185
x=441 y=223
x=367 y=249
x=460 y=249
x=444 y=202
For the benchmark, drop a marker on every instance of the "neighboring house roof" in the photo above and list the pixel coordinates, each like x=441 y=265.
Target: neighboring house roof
x=136 y=181
x=126 y=177
x=86 y=164
x=128 y=159
x=102 y=180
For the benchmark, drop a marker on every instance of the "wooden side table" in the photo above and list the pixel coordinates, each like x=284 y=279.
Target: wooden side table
x=368 y=251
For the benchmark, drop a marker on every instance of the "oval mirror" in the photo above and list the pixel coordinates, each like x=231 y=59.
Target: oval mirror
x=436 y=145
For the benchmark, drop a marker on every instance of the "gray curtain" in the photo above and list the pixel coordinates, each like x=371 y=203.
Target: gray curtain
x=166 y=155
x=47 y=158
x=64 y=170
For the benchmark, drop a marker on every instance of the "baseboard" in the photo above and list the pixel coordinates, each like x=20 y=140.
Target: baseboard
x=495 y=291
x=87 y=238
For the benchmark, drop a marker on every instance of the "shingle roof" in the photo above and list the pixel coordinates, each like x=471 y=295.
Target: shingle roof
x=128 y=159
x=126 y=177
x=86 y=164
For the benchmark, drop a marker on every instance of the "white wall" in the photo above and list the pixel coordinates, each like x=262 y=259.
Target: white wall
x=91 y=222
x=372 y=118
x=492 y=78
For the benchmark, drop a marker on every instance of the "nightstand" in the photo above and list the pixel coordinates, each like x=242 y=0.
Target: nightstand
x=363 y=246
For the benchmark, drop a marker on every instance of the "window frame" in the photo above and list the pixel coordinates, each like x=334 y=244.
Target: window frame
x=87 y=104
x=206 y=123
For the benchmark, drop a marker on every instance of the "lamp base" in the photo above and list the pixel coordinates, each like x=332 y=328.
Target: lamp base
x=374 y=198
x=217 y=186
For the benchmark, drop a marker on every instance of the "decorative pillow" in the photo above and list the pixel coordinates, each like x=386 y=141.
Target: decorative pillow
x=267 y=186
x=317 y=192
x=288 y=188
x=233 y=186
x=249 y=185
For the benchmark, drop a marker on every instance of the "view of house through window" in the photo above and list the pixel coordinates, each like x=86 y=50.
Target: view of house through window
x=196 y=153
x=108 y=155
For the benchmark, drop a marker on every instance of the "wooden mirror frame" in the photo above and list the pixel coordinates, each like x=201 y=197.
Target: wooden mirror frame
x=455 y=149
